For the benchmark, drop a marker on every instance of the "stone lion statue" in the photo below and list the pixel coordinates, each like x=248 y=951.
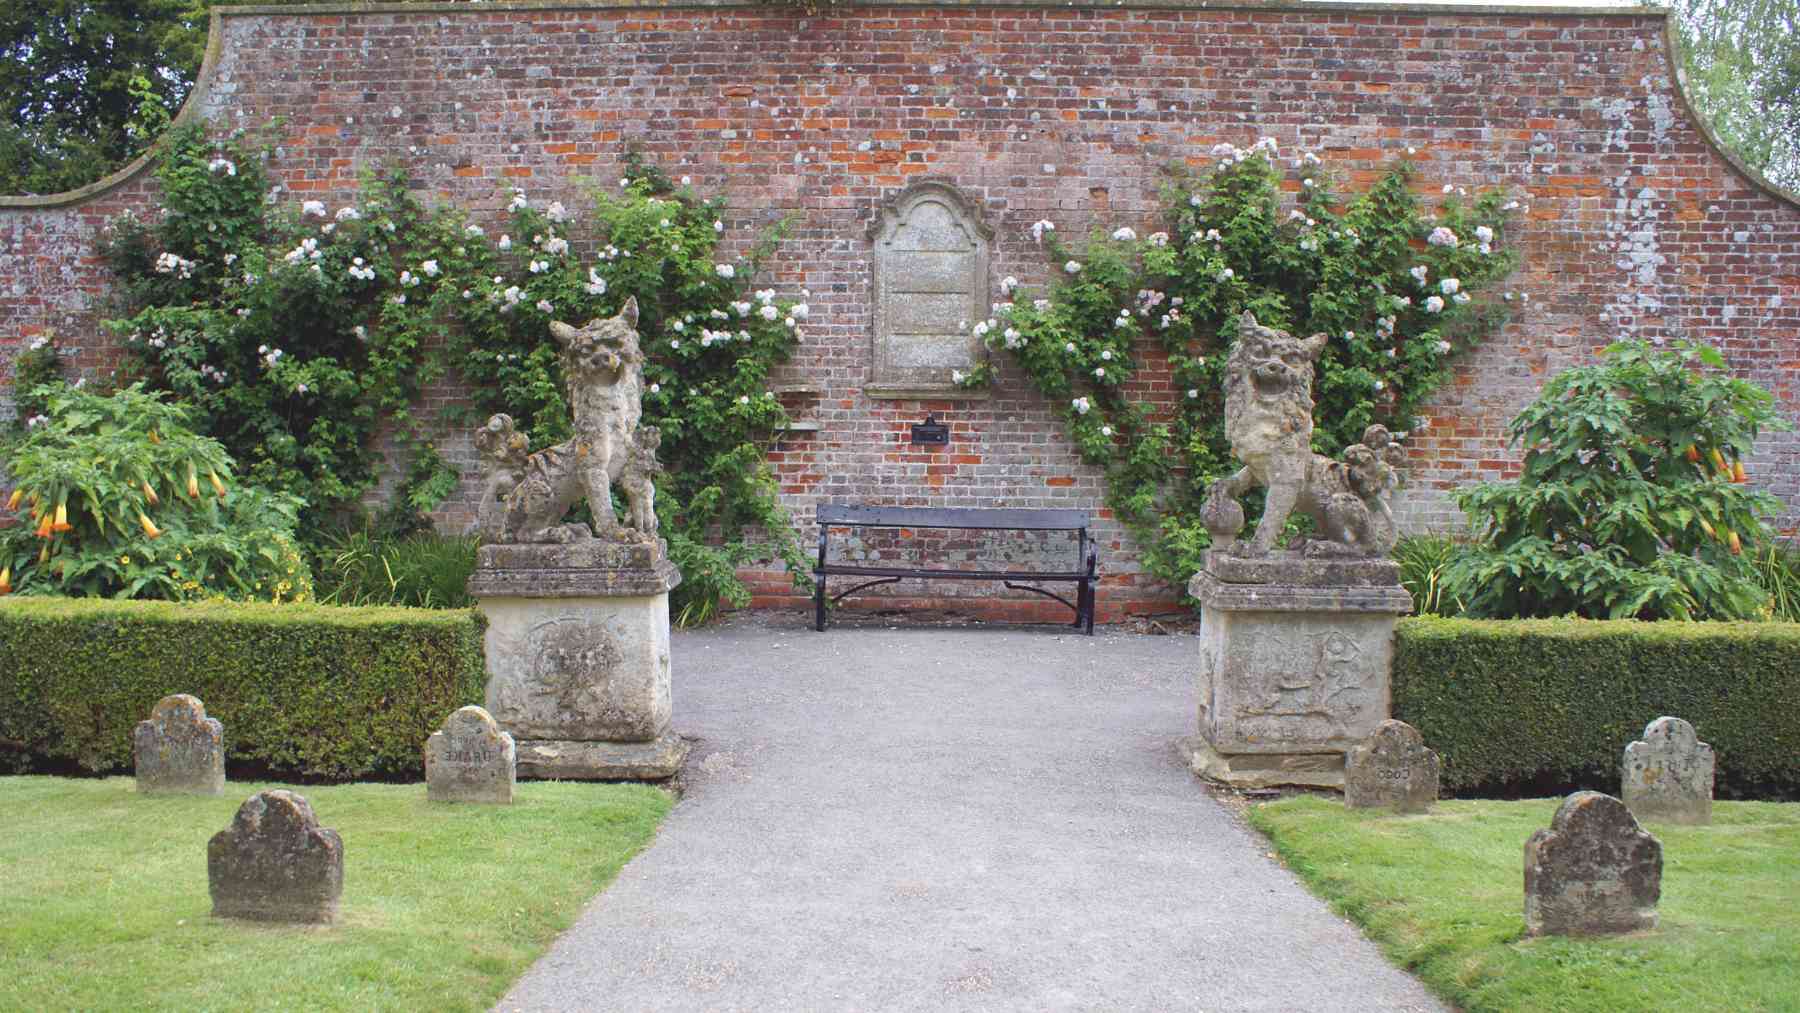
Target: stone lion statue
x=1268 y=420
x=524 y=496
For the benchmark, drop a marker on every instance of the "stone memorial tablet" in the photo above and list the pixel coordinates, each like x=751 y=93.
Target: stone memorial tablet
x=1668 y=774
x=1593 y=872
x=275 y=863
x=931 y=287
x=470 y=760
x=179 y=750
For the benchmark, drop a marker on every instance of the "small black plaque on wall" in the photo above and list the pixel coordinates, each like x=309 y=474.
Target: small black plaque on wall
x=931 y=432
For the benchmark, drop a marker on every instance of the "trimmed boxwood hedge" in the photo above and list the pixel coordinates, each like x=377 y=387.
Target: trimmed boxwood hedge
x=305 y=690
x=1511 y=702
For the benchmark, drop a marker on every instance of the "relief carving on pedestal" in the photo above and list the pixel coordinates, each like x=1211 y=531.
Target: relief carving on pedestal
x=1303 y=687
x=572 y=662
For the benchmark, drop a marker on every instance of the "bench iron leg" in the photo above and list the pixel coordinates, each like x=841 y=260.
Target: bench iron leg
x=819 y=602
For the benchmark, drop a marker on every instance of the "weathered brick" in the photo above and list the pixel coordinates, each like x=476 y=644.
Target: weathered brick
x=1636 y=226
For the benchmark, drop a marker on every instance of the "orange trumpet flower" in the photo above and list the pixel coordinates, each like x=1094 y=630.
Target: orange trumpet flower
x=12 y=502
x=150 y=494
x=193 y=487
x=150 y=528
x=62 y=518
x=218 y=486
x=6 y=580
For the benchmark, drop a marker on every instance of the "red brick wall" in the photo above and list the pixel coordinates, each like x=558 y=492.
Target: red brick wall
x=1636 y=226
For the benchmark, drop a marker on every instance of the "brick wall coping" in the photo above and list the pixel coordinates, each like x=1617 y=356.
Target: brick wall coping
x=215 y=36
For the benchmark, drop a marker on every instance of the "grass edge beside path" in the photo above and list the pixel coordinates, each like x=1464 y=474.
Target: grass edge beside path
x=1443 y=896
x=105 y=902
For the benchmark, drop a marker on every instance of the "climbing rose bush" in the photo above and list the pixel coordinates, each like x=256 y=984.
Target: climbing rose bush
x=300 y=332
x=1398 y=287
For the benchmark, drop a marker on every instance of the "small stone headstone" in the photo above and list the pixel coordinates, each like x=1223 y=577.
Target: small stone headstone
x=1668 y=775
x=470 y=760
x=1392 y=769
x=275 y=863
x=1594 y=872
x=179 y=750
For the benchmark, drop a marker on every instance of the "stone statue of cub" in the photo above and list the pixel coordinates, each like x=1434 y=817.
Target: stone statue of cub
x=525 y=496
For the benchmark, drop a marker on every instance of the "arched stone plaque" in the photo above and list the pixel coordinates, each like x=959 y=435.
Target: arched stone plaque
x=931 y=287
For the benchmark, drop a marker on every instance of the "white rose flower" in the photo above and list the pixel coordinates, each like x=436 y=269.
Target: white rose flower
x=1073 y=267
x=1435 y=304
x=1124 y=234
x=725 y=271
x=769 y=312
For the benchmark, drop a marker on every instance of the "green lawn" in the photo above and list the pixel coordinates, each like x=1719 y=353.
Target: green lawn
x=104 y=904
x=1444 y=896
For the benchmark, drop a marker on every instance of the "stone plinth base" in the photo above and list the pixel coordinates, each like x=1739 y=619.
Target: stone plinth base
x=569 y=760
x=1263 y=770
x=578 y=659
x=1294 y=665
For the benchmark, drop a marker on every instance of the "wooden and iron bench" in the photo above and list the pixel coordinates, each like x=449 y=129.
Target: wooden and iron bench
x=1083 y=576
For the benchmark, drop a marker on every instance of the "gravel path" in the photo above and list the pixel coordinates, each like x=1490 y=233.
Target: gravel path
x=933 y=818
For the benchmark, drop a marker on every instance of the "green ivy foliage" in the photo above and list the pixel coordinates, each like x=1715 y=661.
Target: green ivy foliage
x=1631 y=503
x=1393 y=284
x=123 y=499
x=302 y=332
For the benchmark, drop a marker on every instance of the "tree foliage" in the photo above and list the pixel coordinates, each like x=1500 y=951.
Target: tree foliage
x=1742 y=62
x=88 y=84
x=1632 y=502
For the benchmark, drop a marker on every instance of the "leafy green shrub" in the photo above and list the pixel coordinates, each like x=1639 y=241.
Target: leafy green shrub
x=305 y=690
x=1394 y=285
x=421 y=570
x=125 y=500
x=1632 y=502
x=1519 y=700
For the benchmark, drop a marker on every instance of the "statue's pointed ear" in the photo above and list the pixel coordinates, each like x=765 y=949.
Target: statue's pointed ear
x=562 y=332
x=629 y=311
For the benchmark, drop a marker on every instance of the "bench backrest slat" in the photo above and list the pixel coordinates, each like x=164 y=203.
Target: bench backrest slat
x=948 y=517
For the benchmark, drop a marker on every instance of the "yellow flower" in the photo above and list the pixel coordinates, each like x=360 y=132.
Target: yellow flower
x=6 y=580
x=125 y=559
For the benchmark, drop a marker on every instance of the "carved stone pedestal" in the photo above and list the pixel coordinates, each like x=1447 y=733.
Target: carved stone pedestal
x=1294 y=665
x=578 y=657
